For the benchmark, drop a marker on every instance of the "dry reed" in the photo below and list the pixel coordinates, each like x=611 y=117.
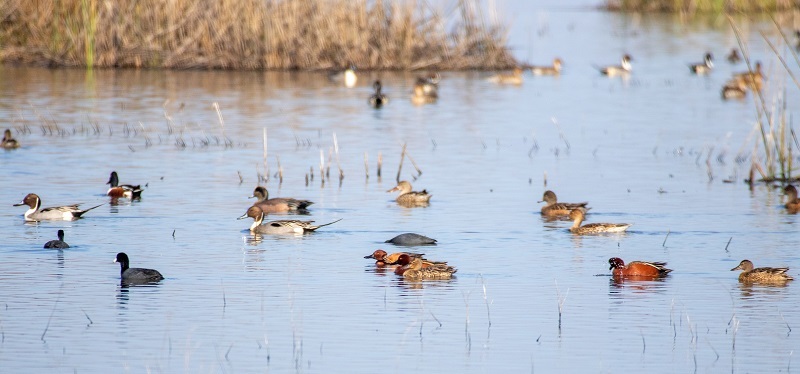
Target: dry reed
x=701 y=6
x=251 y=34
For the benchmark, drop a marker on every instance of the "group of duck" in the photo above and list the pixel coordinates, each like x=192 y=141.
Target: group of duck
x=425 y=91
x=651 y=270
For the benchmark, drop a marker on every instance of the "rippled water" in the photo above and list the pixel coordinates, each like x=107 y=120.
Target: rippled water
x=636 y=150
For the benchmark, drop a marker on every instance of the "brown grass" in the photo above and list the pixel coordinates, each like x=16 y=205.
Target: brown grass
x=250 y=34
x=701 y=6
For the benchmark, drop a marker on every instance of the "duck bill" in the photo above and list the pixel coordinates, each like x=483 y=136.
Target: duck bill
x=243 y=216
x=397 y=188
x=369 y=256
x=737 y=268
x=20 y=204
x=252 y=197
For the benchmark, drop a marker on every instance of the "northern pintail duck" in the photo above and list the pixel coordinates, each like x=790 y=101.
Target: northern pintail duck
x=8 y=141
x=408 y=197
x=122 y=190
x=548 y=70
x=734 y=57
x=734 y=89
x=415 y=271
x=411 y=239
x=36 y=213
x=623 y=69
x=57 y=244
x=135 y=275
x=704 y=67
x=792 y=202
x=556 y=209
x=348 y=76
x=277 y=204
x=761 y=275
x=637 y=268
x=513 y=78
x=287 y=226
x=577 y=215
x=378 y=99
x=426 y=89
x=752 y=79
x=382 y=258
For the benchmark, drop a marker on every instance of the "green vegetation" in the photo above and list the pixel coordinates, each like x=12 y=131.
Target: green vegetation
x=701 y=6
x=251 y=34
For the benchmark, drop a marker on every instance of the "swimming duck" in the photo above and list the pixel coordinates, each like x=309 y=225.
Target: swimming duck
x=792 y=202
x=8 y=141
x=734 y=89
x=593 y=228
x=383 y=258
x=637 y=268
x=734 y=57
x=703 y=68
x=411 y=239
x=761 y=275
x=513 y=78
x=556 y=209
x=135 y=275
x=122 y=190
x=58 y=244
x=623 y=69
x=288 y=226
x=752 y=79
x=548 y=70
x=417 y=272
x=378 y=99
x=66 y=213
x=348 y=76
x=408 y=197
x=277 y=204
x=426 y=89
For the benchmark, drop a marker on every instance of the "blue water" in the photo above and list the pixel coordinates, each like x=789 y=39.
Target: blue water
x=635 y=149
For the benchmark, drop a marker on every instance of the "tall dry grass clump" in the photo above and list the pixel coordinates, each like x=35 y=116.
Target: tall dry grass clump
x=251 y=34
x=701 y=6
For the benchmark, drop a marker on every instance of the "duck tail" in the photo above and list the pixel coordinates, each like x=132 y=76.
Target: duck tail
x=78 y=214
x=329 y=223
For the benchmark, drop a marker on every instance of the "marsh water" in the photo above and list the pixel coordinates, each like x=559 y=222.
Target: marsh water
x=655 y=150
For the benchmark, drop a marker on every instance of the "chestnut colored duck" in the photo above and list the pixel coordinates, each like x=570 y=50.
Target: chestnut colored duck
x=383 y=258
x=409 y=197
x=404 y=261
x=117 y=190
x=556 y=209
x=792 y=202
x=761 y=275
x=277 y=204
x=578 y=215
x=637 y=268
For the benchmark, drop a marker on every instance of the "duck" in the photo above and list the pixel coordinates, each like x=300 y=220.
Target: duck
x=426 y=89
x=556 y=209
x=409 y=197
x=135 y=275
x=792 y=202
x=704 y=67
x=761 y=275
x=513 y=78
x=122 y=190
x=734 y=57
x=752 y=79
x=577 y=215
x=288 y=226
x=637 y=268
x=57 y=244
x=548 y=70
x=411 y=239
x=734 y=89
x=8 y=141
x=36 y=213
x=623 y=69
x=416 y=271
x=382 y=258
x=378 y=99
x=277 y=204
x=348 y=76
